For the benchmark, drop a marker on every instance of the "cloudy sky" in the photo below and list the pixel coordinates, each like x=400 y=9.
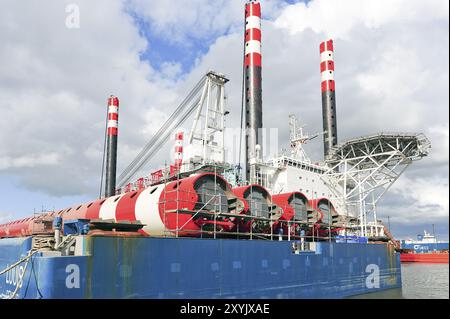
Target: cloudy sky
x=391 y=75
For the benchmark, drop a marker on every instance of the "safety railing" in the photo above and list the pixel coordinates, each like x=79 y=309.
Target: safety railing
x=177 y=198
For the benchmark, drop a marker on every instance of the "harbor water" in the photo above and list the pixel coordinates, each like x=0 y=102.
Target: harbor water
x=419 y=281
x=425 y=281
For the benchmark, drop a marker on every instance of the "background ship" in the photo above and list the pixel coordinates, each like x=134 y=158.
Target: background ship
x=278 y=227
x=426 y=249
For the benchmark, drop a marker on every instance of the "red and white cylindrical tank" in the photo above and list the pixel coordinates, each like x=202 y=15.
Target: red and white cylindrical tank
x=196 y=198
x=41 y=224
x=295 y=206
x=325 y=209
x=257 y=203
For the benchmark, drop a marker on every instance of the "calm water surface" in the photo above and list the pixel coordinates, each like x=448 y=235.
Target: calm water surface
x=425 y=281
x=419 y=281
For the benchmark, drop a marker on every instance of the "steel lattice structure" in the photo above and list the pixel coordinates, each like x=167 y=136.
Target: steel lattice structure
x=361 y=170
x=207 y=102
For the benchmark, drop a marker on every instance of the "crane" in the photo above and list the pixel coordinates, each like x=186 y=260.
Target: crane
x=213 y=113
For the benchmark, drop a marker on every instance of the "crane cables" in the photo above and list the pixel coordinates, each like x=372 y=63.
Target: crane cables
x=104 y=155
x=242 y=104
x=181 y=113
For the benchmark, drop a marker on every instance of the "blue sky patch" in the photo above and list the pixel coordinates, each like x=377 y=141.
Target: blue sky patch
x=160 y=50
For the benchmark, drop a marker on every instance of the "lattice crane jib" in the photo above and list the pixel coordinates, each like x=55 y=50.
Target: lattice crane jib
x=362 y=170
x=206 y=137
x=206 y=103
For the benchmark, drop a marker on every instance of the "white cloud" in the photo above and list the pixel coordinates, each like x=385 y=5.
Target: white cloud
x=178 y=22
x=31 y=160
x=6 y=217
x=439 y=137
x=54 y=85
x=423 y=199
x=171 y=70
x=338 y=18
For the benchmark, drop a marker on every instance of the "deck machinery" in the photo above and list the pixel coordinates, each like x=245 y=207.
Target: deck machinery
x=303 y=205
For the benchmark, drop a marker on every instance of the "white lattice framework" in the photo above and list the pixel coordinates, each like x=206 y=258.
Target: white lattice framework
x=362 y=170
x=205 y=103
x=205 y=144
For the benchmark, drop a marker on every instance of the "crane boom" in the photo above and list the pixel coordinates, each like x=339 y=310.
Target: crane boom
x=177 y=118
x=198 y=96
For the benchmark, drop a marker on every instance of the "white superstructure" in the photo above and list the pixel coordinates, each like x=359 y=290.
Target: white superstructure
x=354 y=178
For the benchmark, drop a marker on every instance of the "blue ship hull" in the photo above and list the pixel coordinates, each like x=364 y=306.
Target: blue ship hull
x=116 y=267
x=425 y=247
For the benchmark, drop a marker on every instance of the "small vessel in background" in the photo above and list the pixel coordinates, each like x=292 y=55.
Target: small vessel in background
x=426 y=249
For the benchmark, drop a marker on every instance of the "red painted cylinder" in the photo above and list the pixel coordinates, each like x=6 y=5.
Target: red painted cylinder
x=257 y=203
x=325 y=209
x=41 y=224
x=182 y=207
x=295 y=206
